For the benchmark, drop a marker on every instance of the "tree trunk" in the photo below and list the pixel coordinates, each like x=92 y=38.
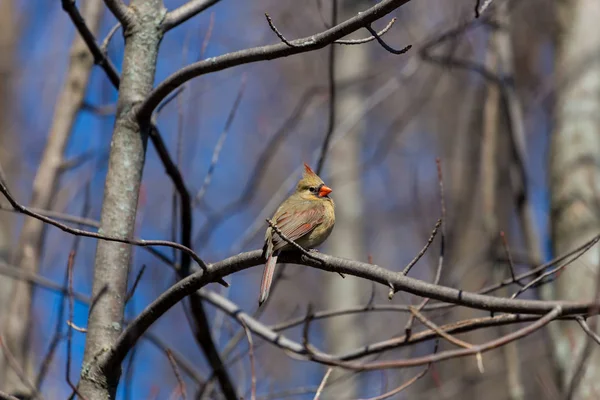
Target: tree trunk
x=121 y=190
x=575 y=180
x=343 y=333
x=18 y=311
x=8 y=39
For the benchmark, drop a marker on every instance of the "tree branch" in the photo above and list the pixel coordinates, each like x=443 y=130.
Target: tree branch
x=120 y=10
x=264 y=53
x=185 y=12
x=88 y=37
x=332 y=264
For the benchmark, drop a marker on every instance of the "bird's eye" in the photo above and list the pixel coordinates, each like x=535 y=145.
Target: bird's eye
x=312 y=189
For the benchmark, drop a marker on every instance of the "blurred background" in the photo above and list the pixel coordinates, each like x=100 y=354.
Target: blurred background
x=487 y=96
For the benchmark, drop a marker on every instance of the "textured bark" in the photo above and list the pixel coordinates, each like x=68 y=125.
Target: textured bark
x=494 y=211
x=7 y=64
x=8 y=38
x=575 y=178
x=121 y=190
x=18 y=311
x=7 y=139
x=347 y=239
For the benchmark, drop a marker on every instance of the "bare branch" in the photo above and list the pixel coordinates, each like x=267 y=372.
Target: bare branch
x=407 y=383
x=252 y=361
x=70 y=324
x=384 y=44
x=89 y=39
x=446 y=355
x=370 y=38
x=185 y=12
x=180 y=383
x=407 y=269
x=322 y=384
x=137 y=242
x=586 y=328
x=279 y=34
x=439 y=331
x=108 y=38
x=332 y=87
x=135 y=284
x=263 y=53
x=511 y=264
x=329 y=263
x=438 y=273
x=120 y=10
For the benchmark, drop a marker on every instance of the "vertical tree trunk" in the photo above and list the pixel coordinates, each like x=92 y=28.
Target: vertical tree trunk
x=121 y=190
x=575 y=178
x=8 y=38
x=347 y=240
x=17 y=312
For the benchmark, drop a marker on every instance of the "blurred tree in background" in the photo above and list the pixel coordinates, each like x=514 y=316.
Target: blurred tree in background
x=161 y=120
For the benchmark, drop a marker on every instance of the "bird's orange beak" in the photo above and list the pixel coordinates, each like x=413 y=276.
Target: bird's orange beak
x=324 y=191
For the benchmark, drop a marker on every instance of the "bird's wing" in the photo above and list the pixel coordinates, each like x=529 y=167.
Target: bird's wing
x=296 y=224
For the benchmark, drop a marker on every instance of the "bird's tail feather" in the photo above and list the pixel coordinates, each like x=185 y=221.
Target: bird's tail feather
x=267 y=278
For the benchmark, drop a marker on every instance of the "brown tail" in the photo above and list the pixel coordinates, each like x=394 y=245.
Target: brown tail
x=267 y=278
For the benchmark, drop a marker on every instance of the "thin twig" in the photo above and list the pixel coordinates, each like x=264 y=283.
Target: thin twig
x=252 y=360
x=135 y=284
x=315 y=355
x=180 y=382
x=70 y=265
x=75 y=327
x=322 y=384
x=367 y=39
x=438 y=330
x=186 y=11
x=291 y=242
x=278 y=50
x=209 y=30
x=221 y=142
x=407 y=383
x=90 y=223
x=166 y=102
x=406 y=269
x=279 y=34
x=511 y=264
x=108 y=38
x=64 y=290
x=135 y=242
x=438 y=273
x=586 y=328
x=332 y=88
x=88 y=37
x=554 y=271
x=384 y=44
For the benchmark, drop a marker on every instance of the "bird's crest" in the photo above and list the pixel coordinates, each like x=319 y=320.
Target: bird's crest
x=308 y=171
x=309 y=177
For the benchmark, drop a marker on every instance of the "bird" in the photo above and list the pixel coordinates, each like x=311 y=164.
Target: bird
x=307 y=217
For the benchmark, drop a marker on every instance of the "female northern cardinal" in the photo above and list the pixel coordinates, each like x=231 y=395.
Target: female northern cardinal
x=306 y=217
